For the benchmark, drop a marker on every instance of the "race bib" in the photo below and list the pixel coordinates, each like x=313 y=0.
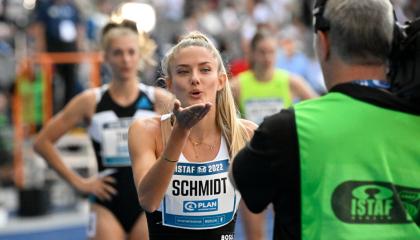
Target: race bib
x=257 y=109
x=200 y=196
x=115 y=143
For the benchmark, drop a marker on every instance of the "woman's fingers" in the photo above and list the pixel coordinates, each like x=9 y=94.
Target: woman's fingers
x=177 y=106
x=110 y=180
x=104 y=189
x=104 y=195
x=189 y=116
x=204 y=110
x=110 y=189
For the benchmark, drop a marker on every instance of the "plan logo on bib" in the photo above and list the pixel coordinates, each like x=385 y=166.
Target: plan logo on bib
x=200 y=206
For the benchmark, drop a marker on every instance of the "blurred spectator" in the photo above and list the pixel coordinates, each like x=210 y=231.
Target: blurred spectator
x=96 y=21
x=411 y=8
x=265 y=89
x=291 y=58
x=209 y=21
x=261 y=91
x=240 y=64
x=230 y=17
x=58 y=27
x=169 y=23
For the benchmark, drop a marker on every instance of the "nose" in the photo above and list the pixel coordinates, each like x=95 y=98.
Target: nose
x=126 y=57
x=195 y=78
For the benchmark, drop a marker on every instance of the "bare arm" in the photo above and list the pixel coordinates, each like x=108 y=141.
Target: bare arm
x=75 y=111
x=153 y=171
x=300 y=88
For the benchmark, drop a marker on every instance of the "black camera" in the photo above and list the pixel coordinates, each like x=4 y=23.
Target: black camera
x=404 y=72
x=404 y=69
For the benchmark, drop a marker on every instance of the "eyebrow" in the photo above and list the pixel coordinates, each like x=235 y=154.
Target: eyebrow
x=186 y=65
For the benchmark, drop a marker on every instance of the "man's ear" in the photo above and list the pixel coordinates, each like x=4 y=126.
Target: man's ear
x=222 y=81
x=324 y=45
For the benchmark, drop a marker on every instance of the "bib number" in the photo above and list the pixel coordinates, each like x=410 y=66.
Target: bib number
x=256 y=110
x=200 y=196
x=115 y=144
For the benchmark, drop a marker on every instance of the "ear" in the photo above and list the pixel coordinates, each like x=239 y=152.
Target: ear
x=323 y=45
x=168 y=82
x=222 y=81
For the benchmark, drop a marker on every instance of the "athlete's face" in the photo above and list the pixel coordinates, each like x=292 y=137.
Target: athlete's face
x=123 y=56
x=194 y=76
x=264 y=54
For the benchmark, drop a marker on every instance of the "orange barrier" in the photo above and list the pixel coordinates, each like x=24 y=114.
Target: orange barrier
x=46 y=61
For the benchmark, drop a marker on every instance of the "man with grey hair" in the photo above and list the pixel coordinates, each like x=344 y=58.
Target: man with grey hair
x=346 y=165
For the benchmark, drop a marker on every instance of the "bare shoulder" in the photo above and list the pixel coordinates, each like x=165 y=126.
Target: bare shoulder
x=163 y=93
x=150 y=125
x=164 y=100
x=249 y=126
x=82 y=105
x=88 y=96
x=148 y=132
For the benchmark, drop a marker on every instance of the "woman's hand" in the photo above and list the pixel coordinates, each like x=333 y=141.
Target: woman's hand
x=100 y=186
x=189 y=116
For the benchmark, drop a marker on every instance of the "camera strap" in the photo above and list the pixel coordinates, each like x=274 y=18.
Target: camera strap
x=373 y=83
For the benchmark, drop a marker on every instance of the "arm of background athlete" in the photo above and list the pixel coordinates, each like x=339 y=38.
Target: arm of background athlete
x=78 y=109
x=300 y=88
x=271 y=158
x=152 y=173
x=164 y=101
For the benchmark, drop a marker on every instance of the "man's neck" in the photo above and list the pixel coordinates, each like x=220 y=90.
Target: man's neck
x=344 y=73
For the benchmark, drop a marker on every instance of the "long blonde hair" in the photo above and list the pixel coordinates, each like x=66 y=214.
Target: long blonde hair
x=226 y=111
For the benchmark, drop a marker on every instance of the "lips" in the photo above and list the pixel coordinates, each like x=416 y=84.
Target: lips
x=125 y=69
x=196 y=93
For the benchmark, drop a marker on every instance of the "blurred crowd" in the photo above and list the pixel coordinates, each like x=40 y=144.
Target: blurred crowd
x=30 y=26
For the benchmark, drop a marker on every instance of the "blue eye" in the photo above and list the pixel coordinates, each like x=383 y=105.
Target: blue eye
x=205 y=70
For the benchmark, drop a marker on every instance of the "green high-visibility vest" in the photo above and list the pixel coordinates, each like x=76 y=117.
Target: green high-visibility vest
x=360 y=170
x=260 y=99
